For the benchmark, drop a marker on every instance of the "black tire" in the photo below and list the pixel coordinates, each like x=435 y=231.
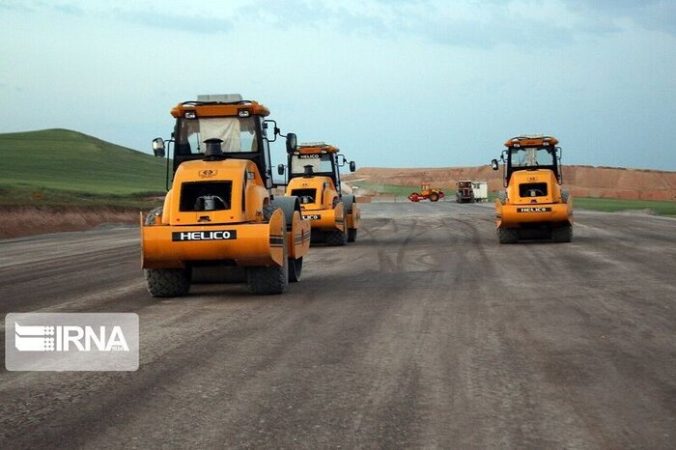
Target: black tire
x=562 y=234
x=317 y=236
x=434 y=197
x=295 y=269
x=508 y=235
x=168 y=282
x=351 y=234
x=336 y=238
x=269 y=280
x=349 y=201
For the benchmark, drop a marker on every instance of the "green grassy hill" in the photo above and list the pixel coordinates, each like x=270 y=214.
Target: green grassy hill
x=63 y=167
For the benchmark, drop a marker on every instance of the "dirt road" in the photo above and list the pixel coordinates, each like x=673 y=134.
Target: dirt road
x=425 y=333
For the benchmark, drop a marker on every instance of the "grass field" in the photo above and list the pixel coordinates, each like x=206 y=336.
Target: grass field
x=63 y=167
x=614 y=205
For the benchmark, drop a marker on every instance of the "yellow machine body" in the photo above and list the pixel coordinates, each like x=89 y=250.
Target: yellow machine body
x=533 y=203
x=320 y=200
x=521 y=209
x=237 y=234
x=320 y=209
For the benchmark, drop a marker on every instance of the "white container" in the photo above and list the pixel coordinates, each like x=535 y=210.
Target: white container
x=480 y=189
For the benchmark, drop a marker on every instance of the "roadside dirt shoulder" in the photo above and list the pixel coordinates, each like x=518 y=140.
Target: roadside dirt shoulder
x=27 y=221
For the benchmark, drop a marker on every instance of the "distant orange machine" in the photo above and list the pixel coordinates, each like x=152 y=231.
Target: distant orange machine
x=427 y=193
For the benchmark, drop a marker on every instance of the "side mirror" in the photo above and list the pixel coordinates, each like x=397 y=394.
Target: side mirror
x=270 y=127
x=494 y=164
x=158 y=147
x=353 y=166
x=291 y=142
x=280 y=169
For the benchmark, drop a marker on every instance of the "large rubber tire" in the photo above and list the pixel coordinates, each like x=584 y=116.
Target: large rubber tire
x=351 y=234
x=295 y=269
x=562 y=234
x=349 y=201
x=269 y=280
x=434 y=197
x=317 y=237
x=168 y=282
x=508 y=235
x=336 y=238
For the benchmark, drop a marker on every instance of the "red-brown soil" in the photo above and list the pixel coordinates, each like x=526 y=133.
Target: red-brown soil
x=25 y=221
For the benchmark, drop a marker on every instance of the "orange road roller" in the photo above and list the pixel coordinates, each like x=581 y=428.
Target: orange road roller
x=219 y=210
x=533 y=204
x=314 y=177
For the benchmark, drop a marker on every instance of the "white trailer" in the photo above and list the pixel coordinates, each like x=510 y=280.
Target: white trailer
x=480 y=189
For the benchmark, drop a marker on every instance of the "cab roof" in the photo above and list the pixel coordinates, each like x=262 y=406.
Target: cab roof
x=538 y=140
x=220 y=105
x=310 y=148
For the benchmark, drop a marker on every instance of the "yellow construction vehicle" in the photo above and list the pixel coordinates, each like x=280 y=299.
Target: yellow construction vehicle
x=533 y=205
x=219 y=211
x=314 y=177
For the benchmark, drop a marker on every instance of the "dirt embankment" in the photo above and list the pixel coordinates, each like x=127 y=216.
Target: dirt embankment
x=582 y=181
x=25 y=221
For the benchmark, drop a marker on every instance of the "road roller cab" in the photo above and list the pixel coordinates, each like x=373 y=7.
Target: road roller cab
x=219 y=210
x=314 y=177
x=533 y=203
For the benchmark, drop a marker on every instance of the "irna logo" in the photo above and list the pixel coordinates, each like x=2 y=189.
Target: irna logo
x=37 y=338
x=72 y=341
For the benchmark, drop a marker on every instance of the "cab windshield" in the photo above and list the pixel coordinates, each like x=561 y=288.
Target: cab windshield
x=238 y=134
x=321 y=163
x=532 y=156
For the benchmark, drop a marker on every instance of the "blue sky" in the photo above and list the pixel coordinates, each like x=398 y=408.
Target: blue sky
x=393 y=83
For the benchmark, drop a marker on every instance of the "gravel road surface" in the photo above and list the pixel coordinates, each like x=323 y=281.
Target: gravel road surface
x=424 y=333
